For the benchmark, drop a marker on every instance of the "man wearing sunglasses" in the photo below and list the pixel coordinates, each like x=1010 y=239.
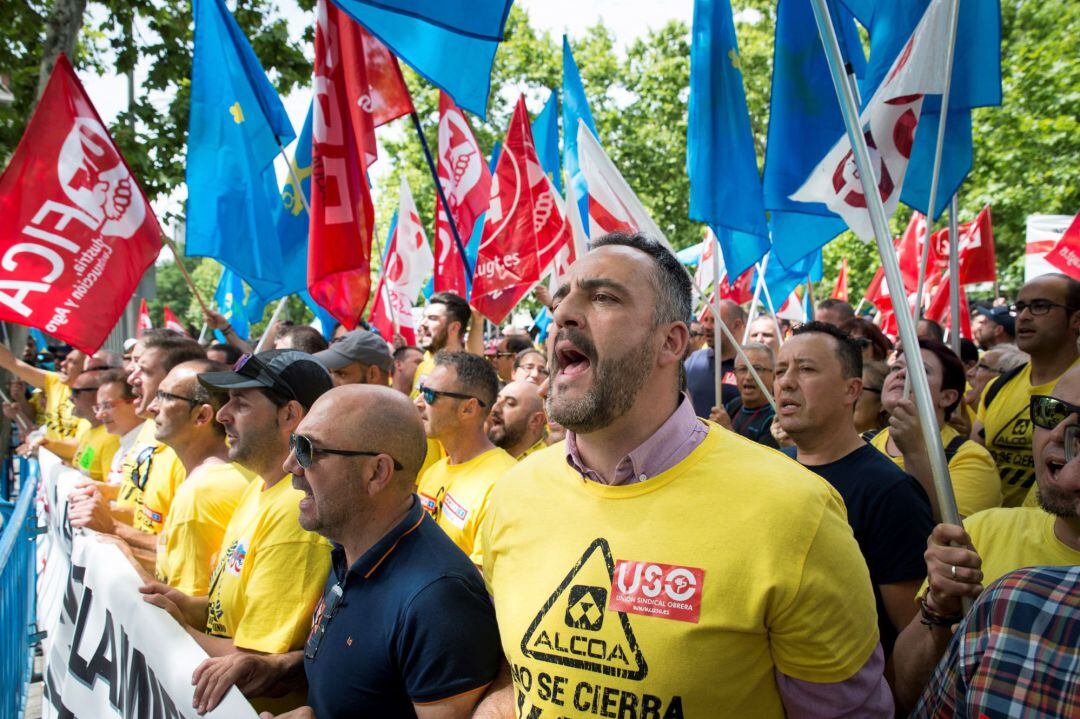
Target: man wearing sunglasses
x=961 y=561
x=95 y=448
x=269 y=571
x=1047 y=314
x=506 y=352
x=454 y=403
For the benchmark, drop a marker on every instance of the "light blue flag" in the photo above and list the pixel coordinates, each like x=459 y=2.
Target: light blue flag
x=541 y=324
x=804 y=124
x=451 y=43
x=237 y=121
x=725 y=187
x=781 y=281
x=292 y=220
x=545 y=129
x=326 y=321
x=231 y=299
x=575 y=106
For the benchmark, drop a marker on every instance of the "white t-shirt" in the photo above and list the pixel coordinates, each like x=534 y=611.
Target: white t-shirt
x=127 y=441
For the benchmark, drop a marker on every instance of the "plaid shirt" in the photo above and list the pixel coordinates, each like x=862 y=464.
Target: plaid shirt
x=1016 y=652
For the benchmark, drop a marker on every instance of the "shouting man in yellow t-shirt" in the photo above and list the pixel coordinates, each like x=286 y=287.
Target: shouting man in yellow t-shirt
x=60 y=420
x=657 y=563
x=455 y=400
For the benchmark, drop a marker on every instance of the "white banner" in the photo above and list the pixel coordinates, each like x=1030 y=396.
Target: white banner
x=1043 y=232
x=108 y=653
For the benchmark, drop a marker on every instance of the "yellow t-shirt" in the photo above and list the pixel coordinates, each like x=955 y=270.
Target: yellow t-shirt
x=151 y=473
x=135 y=466
x=422 y=371
x=972 y=470
x=456 y=496
x=95 y=452
x=435 y=452
x=540 y=444
x=682 y=593
x=191 y=538
x=60 y=419
x=269 y=574
x=1014 y=537
x=1008 y=433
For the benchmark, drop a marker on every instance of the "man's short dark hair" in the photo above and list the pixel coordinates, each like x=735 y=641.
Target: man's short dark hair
x=305 y=338
x=175 y=348
x=969 y=352
x=517 y=343
x=952 y=374
x=400 y=352
x=935 y=328
x=848 y=350
x=232 y=352
x=673 y=289
x=845 y=310
x=117 y=376
x=475 y=375
x=457 y=309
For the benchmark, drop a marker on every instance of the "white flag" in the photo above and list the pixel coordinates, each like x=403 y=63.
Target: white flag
x=704 y=275
x=890 y=120
x=613 y=206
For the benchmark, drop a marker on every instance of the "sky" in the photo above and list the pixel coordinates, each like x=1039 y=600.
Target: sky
x=628 y=20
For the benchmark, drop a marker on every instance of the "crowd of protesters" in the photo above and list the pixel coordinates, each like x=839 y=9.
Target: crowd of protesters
x=580 y=526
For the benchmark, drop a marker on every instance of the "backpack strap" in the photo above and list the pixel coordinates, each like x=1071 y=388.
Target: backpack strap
x=869 y=435
x=998 y=385
x=953 y=447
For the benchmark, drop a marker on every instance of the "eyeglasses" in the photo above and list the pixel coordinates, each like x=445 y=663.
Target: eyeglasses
x=987 y=368
x=538 y=368
x=504 y=355
x=80 y=390
x=1037 y=307
x=323 y=614
x=162 y=395
x=760 y=369
x=140 y=473
x=430 y=395
x=306 y=451
x=111 y=404
x=1048 y=412
x=696 y=334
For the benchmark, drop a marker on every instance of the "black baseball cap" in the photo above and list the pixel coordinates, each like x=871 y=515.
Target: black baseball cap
x=1000 y=315
x=290 y=374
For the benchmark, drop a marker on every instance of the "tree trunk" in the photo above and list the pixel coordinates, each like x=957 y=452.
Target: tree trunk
x=61 y=33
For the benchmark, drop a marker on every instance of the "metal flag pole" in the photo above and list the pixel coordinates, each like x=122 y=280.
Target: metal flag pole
x=442 y=194
x=916 y=370
x=757 y=295
x=718 y=370
x=939 y=148
x=861 y=303
x=270 y=325
x=294 y=177
x=772 y=307
x=954 y=277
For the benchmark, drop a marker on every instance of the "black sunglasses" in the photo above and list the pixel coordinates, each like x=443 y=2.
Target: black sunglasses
x=1048 y=412
x=140 y=473
x=323 y=614
x=305 y=452
x=430 y=395
x=79 y=390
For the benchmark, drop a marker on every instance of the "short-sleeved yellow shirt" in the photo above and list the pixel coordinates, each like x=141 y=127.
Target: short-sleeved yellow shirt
x=151 y=473
x=191 y=538
x=60 y=419
x=422 y=371
x=684 y=593
x=95 y=452
x=456 y=496
x=972 y=471
x=269 y=573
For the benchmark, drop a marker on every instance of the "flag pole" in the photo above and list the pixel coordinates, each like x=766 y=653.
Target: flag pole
x=772 y=308
x=810 y=298
x=442 y=194
x=184 y=272
x=916 y=370
x=954 y=277
x=757 y=296
x=718 y=370
x=939 y=148
x=861 y=303
x=270 y=325
x=386 y=294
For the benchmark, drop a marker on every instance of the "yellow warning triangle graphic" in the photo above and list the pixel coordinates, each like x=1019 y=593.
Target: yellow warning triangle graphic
x=575 y=628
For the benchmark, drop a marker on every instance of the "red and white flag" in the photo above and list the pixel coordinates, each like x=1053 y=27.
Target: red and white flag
x=145 y=323
x=388 y=96
x=466 y=181
x=408 y=265
x=742 y=290
x=1065 y=254
x=940 y=309
x=523 y=220
x=77 y=232
x=173 y=323
x=909 y=249
x=978 y=262
x=613 y=206
x=792 y=309
x=343 y=146
x=891 y=118
x=840 y=291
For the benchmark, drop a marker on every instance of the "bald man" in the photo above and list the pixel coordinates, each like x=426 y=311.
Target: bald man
x=518 y=420
x=428 y=642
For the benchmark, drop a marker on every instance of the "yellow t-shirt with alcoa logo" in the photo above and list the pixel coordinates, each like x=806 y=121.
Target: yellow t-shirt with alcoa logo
x=676 y=596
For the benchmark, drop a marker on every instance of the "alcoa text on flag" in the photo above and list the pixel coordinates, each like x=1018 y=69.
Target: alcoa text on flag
x=466 y=181
x=408 y=264
x=78 y=232
x=892 y=116
x=524 y=221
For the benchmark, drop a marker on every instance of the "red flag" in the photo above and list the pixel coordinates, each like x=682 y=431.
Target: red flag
x=145 y=323
x=174 y=324
x=77 y=231
x=909 y=248
x=940 y=307
x=388 y=95
x=466 y=181
x=1066 y=253
x=978 y=262
x=343 y=145
x=523 y=219
x=741 y=291
x=840 y=290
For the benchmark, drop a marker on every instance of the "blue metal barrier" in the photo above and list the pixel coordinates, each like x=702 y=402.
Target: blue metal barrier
x=18 y=580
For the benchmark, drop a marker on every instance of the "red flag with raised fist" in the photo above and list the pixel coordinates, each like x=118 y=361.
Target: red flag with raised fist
x=523 y=219
x=77 y=232
x=1065 y=255
x=975 y=252
x=145 y=323
x=343 y=146
x=466 y=181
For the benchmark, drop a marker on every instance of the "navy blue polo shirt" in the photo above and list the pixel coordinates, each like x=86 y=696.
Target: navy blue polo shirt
x=410 y=621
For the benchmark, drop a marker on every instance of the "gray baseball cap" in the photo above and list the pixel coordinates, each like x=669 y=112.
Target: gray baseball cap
x=361 y=346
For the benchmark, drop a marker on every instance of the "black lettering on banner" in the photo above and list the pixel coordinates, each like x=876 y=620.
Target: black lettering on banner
x=574 y=629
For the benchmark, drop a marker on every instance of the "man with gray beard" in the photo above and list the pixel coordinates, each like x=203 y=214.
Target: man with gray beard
x=615 y=556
